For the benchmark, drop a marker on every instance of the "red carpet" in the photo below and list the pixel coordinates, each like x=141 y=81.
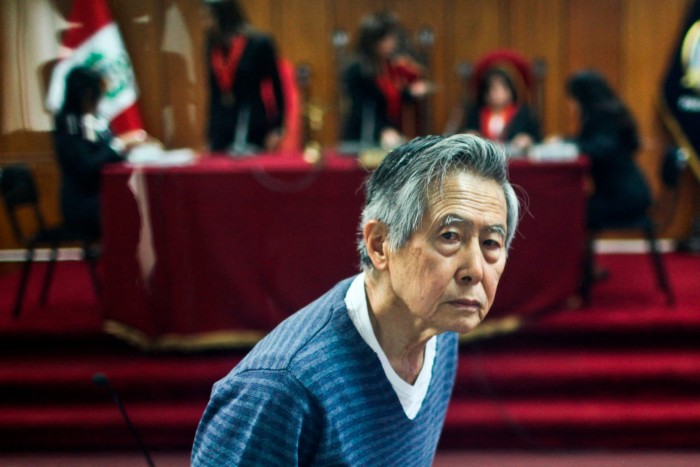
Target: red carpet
x=72 y=307
x=622 y=374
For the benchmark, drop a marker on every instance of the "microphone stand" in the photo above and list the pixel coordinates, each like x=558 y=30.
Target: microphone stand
x=101 y=380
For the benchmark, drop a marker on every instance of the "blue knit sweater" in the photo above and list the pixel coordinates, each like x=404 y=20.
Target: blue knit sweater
x=313 y=393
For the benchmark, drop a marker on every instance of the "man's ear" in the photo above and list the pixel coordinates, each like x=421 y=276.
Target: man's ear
x=375 y=237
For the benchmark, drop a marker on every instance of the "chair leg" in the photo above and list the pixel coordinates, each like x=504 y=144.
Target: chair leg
x=91 y=259
x=43 y=299
x=659 y=267
x=19 y=299
x=587 y=272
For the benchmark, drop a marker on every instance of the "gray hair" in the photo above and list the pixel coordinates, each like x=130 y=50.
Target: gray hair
x=397 y=192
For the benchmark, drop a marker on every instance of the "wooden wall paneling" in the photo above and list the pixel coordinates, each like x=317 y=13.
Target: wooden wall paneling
x=347 y=15
x=31 y=143
x=451 y=85
x=537 y=32
x=305 y=31
x=199 y=98
x=261 y=13
x=182 y=78
x=140 y=24
x=473 y=28
x=641 y=72
x=17 y=143
x=4 y=11
x=478 y=26
x=442 y=72
x=649 y=26
x=594 y=36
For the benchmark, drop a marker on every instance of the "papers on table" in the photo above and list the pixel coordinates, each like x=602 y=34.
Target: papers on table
x=155 y=155
x=553 y=151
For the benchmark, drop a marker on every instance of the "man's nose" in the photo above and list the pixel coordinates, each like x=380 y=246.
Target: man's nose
x=471 y=263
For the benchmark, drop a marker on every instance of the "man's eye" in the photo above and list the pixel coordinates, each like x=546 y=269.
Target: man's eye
x=450 y=236
x=492 y=244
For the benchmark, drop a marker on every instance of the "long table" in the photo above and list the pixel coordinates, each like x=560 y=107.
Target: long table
x=241 y=244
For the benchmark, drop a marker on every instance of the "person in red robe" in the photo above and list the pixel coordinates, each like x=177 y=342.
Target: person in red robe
x=377 y=82
x=500 y=112
x=240 y=61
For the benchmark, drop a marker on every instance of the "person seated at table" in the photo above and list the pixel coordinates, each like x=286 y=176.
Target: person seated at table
x=607 y=135
x=377 y=82
x=498 y=113
x=83 y=145
x=363 y=375
x=242 y=64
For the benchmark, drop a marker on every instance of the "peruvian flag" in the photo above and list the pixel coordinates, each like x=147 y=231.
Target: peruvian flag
x=93 y=40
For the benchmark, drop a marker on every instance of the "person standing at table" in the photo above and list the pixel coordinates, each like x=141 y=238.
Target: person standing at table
x=246 y=104
x=607 y=135
x=363 y=375
x=377 y=82
x=83 y=145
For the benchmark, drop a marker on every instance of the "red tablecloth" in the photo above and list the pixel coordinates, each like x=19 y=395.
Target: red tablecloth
x=241 y=244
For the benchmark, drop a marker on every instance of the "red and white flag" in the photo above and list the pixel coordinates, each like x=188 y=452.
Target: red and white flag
x=93 y=40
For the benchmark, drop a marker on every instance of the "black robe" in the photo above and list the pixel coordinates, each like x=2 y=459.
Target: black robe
x=620 y=189
x=257 y=63
x=80 y=162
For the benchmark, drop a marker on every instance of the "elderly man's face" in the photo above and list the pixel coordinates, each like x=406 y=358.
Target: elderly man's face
x=446 y=274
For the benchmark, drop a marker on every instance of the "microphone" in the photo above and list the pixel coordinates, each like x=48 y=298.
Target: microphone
x=101 y=380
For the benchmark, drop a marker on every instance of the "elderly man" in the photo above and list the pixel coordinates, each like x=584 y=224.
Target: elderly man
x=363 y=375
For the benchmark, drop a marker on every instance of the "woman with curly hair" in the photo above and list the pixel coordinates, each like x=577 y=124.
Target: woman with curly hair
x=607 y=135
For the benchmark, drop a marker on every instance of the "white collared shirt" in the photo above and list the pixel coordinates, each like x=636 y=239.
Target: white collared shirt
x=410 y=396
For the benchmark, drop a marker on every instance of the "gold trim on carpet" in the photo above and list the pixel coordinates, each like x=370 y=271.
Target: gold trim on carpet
x=203 y=341
x=493 y=328
x=246 y=339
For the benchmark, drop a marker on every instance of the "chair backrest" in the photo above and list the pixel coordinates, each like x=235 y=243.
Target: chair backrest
x=18 y=190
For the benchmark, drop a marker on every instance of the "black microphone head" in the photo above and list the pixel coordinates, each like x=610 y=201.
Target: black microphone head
x=100 y=379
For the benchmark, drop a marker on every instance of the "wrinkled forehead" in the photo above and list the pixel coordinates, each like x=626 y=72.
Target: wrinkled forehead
x=468 y=189
x=439 y=184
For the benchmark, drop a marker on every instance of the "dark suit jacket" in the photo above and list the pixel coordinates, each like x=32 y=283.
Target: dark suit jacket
x=257 y=63
x=620 y=190
x=80 y=162
x=368 y=106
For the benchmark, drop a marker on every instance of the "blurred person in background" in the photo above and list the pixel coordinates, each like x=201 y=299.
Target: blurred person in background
x=83 y=145
x=500 y=112
x=607 y=135
x=246 y=103
x=377 y=82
